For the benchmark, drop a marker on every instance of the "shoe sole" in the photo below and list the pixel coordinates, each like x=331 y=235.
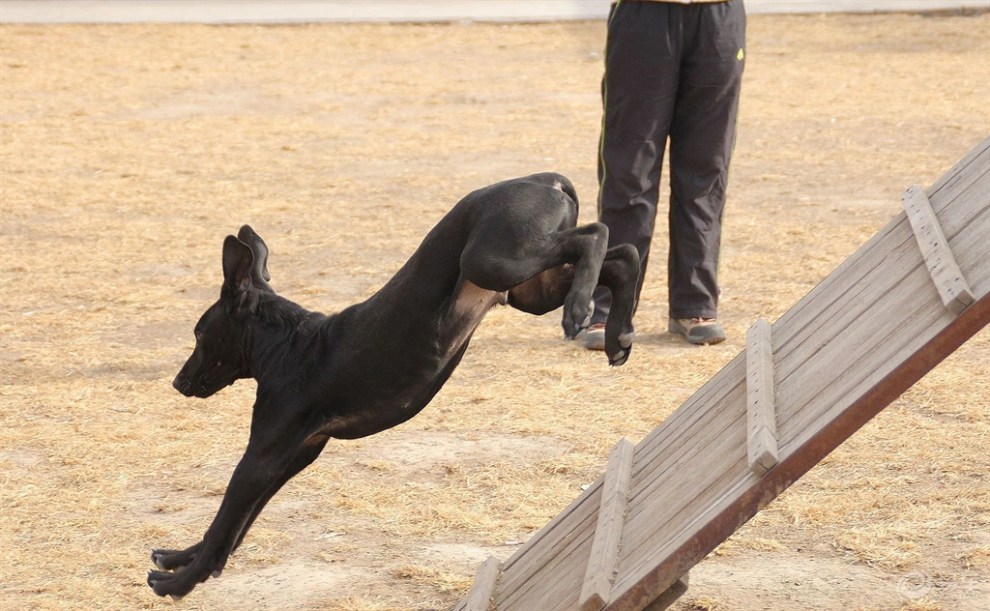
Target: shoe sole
x=712 y=334
x=593 y=339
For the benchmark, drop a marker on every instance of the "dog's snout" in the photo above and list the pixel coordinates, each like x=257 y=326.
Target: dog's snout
x=180 y=384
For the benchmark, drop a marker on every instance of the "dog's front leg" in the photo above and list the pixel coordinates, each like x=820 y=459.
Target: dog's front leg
x=170 y=560
x=254 y=475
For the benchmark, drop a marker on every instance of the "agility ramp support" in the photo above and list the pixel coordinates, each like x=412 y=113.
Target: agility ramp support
x=886 y=316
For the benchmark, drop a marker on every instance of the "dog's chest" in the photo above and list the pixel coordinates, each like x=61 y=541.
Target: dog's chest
x=468 y=307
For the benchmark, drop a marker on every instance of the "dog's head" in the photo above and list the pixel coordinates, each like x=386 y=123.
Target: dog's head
x=220 y=356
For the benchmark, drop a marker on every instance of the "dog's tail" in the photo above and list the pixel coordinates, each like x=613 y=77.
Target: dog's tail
x=561 y=183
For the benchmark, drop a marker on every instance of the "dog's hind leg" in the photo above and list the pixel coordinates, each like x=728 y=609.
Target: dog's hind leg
x=548 y=290
x=544 y=292
x=507 y=264
x=620 y=274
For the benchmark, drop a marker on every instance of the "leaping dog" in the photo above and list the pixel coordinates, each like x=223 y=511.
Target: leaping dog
x=378 y=363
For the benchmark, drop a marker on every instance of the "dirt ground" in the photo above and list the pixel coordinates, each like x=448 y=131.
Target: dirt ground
x=129 y=152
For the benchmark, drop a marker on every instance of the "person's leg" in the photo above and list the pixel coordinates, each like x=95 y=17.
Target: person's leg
x=638 y=92
x=701 y=140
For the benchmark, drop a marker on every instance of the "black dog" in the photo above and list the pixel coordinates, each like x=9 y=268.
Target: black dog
x=378 y=363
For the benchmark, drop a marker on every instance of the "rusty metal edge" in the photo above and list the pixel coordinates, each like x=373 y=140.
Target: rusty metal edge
x=770 y=486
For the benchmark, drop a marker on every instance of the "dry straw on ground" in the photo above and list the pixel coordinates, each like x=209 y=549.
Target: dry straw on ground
x=129 y=152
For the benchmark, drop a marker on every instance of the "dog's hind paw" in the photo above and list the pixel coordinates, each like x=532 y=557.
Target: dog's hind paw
x=576 y=319
x=619 y=358
x=626 y=339
x=618 y=355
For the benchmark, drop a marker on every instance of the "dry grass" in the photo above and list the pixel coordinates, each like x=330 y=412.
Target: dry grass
x=128 y=153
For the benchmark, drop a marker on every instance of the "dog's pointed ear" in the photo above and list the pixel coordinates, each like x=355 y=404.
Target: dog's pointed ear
x=239 y=288
x=259 y=271
x=238 y=261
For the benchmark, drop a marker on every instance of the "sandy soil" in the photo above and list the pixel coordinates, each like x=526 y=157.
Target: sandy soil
x=129 y=152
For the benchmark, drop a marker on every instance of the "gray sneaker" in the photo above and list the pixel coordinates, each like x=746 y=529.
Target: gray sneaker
x=700 y=331
x=593 y=338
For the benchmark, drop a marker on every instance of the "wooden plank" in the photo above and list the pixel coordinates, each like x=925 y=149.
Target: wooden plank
x=480 y=596
x=877 y=339
x=886 y=333
x=942 y=266
x=818 y=319
x=670 y=439
x=883 y=340
x=585 y=503
x=686 y=418
x=545 y=549
x=557 y=585
x=608 y=533
x=893 y=343
x=670 y=595
x=668 y=517
x=761 y=419
x=972 y=159
x=681 y=463
x=549 y=589
x=561 y=571
x=861 y=333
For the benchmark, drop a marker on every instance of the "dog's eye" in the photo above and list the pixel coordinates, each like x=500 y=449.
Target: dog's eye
x=199 y=336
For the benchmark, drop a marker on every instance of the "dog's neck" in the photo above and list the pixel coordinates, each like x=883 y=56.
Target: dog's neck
x=274 y=332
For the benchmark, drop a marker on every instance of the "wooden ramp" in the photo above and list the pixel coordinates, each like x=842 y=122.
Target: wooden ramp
x=892 y=311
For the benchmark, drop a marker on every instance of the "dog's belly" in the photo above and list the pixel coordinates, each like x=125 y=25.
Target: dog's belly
x=400 y=385
x=390 y=405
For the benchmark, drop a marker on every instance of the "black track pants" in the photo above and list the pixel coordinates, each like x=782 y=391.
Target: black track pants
x=672 y=73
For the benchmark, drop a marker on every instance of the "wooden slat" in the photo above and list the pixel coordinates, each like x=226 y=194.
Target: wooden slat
x=608 y=533
x=682 y=499
x=480 y=596
x=761 y=419
x=942 y=266
x=548 y=546
x=539 y=549
x=850 y=283
x=719 y=423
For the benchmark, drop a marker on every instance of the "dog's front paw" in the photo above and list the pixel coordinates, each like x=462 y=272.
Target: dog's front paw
x=175 y=585
x=170 y=559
